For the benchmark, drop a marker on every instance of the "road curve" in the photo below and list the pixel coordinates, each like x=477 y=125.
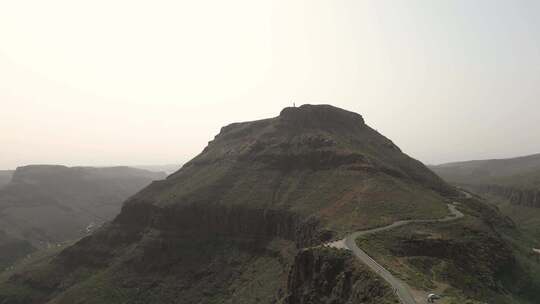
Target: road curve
x=401 y=289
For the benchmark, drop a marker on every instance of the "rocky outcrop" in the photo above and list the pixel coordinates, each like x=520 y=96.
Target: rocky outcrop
x=259 y=225
x=330 y=276
x=254 y=228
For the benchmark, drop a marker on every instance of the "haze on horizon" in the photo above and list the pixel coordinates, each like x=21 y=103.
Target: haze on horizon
x=151 y=82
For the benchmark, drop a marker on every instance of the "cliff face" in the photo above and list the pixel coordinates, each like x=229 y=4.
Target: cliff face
x=326 y=276
x=229 y=221
x=516 y=196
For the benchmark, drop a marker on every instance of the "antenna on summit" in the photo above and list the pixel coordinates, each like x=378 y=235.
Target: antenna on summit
x=294 y=104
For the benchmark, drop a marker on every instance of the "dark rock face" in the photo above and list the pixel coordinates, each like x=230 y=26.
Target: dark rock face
x=327 y=276
x=156 y=231
x=259 y=225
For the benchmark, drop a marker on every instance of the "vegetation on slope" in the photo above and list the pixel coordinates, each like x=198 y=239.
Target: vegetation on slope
x=478 y=258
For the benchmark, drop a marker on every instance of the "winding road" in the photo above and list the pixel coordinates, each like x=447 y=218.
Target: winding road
x=403 y=291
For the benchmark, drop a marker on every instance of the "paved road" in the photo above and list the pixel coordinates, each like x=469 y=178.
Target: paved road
x=402 y=290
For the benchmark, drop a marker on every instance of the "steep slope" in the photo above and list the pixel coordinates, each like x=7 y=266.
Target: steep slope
x=45 y=204
x=238 y=223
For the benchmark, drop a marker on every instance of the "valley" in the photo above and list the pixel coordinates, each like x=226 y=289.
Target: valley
x=44 y=206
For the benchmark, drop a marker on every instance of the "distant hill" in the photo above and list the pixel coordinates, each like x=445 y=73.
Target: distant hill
x=243 y=222
x=513 y=184
x=516 y=179
x=45 y=204
x=5 y=177
x=487 y=171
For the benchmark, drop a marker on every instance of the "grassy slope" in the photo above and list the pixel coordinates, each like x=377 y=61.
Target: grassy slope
x=427 y=272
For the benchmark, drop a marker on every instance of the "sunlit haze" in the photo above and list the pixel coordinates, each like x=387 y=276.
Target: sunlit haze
x=151 y=82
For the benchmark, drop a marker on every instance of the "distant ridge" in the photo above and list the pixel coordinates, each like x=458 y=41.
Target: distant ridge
x=54 y=203
x=488 y=170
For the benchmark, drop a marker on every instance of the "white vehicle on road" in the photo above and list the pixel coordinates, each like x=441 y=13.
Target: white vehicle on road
x=432 y=297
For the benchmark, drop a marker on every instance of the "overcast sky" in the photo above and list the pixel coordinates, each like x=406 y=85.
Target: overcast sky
x=151 y=82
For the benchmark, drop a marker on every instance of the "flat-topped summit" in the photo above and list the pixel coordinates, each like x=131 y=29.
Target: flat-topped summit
x=324 y=117
x=50 y=173
x=311 y=139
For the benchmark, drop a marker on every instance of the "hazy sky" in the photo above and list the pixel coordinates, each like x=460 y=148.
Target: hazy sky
x=149 y=82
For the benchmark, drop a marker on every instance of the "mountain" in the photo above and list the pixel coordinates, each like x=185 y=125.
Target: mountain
x=5 y=177
x=491 y=171
x=513 y=184
x=244 y=221
x=521 y=186
x=48 y=204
